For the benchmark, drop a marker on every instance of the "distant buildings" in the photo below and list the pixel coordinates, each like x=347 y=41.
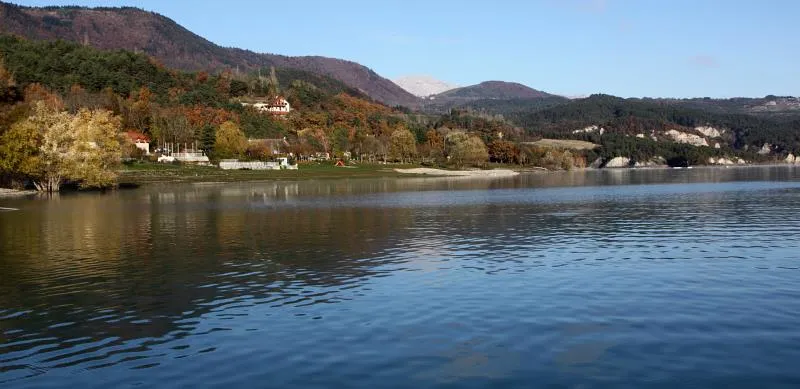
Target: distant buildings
x=275 y=106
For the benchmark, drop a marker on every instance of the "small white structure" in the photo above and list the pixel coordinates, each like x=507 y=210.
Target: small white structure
x=197 y=158
x=235 y=164
x=141 y=141
x=276 y=106
x=284 y=164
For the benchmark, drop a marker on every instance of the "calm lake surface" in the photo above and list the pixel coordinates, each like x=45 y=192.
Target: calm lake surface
x=660 y=278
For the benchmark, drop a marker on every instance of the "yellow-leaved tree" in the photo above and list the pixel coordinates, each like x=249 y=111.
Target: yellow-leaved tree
x=403 y=145
x=95 y=154
x=230 y=141
x=463 y=149
x=51 y=147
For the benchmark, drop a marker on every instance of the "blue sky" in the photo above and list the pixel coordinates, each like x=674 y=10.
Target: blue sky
x=630 y=48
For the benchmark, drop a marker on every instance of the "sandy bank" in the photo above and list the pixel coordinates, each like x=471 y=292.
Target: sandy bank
x=13 y=192
x=459 y=173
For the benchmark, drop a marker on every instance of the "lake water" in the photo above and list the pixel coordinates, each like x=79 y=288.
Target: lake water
x=661 y=278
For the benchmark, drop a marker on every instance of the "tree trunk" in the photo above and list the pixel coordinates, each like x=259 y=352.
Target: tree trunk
x=50 y=184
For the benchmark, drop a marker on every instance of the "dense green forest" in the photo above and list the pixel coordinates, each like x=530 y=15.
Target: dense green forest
x=629 y=117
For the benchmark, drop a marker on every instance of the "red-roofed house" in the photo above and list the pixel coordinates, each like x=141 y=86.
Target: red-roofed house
x=276 y=106
x=141 y=141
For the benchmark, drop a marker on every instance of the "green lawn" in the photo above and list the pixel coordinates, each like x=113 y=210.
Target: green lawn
x=144 y=173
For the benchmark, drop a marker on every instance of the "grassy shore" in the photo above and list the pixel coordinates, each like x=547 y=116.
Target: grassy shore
x=147 y=173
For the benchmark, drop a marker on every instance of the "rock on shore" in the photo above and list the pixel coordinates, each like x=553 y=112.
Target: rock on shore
x=618 y=162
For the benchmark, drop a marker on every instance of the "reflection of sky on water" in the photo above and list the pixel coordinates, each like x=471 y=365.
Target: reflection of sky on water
x=433 y=280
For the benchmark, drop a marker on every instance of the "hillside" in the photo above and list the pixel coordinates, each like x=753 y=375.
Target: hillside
x=176 y=47
x=489 y=90
x=512 y=107
x=643 y=127
x=767 y=106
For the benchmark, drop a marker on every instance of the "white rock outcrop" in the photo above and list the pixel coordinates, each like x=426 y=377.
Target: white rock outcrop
x=590 y=130
x=716 y=145
x=657 y=161
x=710 y=132
x=791 y=158
x=682 y=137
x=765 y=149
x=721 y=161
x=618 y=162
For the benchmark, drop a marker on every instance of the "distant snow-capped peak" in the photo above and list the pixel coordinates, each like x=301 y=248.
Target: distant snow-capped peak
x=423 y=86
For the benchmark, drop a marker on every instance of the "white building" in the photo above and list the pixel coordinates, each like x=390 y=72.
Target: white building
x=275 y=106
x=141 y=141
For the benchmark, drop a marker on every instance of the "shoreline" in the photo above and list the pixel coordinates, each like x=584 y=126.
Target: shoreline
x=154 y=174
x=494 y=173
x=6 y=192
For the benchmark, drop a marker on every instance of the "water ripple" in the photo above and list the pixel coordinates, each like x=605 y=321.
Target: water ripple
x=446 y=284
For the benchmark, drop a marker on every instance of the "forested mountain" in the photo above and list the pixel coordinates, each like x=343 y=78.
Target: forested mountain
x=513 y=107
x=639 y=126
x=506 y=96
x=491 y=90
x=176 y=47
x=767 y=106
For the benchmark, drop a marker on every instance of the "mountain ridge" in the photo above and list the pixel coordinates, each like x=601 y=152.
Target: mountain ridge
x=175 y=46
x=492 y=90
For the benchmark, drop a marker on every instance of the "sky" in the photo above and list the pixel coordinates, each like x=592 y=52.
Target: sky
x=628 y=48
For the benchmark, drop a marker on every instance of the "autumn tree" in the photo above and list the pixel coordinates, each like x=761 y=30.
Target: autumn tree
x=503 y=151
x=47 y=139
x=8 y=86
x=35 y=93
x=19 y=150
x=76 y=98
x=434 y=145
x=230 y=141
x=95 y=154
x=317 y=138
x=463 y=149
x=341 y=140
x=171 y=126
x=372 y=147
x=402 y=145
x=136 y=110
x=258 y=151
x=51 y=147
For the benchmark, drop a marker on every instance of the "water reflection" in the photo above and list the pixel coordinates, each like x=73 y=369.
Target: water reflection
x=452 y=277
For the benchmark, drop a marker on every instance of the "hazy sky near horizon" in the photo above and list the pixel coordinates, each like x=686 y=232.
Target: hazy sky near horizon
x=630 y=48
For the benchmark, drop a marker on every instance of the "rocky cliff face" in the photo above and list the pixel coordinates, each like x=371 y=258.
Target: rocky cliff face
x=683 y=137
